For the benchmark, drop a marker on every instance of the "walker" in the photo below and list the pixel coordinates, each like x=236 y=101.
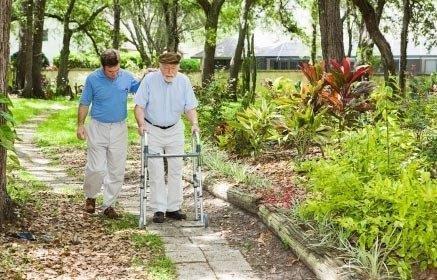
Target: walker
x=195 y=156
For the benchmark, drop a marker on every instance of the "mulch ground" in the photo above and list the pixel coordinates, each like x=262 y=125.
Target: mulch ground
x=69 y=244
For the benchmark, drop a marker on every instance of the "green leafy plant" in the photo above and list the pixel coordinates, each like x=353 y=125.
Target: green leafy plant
x=7 y=130
x=303 y=130
x=251 y=128
x=372 y=198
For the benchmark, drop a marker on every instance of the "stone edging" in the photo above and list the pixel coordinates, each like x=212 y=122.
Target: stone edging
x=323 y=267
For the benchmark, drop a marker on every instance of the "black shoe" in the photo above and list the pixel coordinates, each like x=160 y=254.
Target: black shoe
x=176 y=215
x=158 y=217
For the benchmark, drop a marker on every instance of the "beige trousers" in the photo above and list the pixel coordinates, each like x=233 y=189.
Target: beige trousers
x=106 y=160
x=166 y=197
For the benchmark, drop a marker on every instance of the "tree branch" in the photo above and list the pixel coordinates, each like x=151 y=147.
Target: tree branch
x=58 y=17
x=84 y=25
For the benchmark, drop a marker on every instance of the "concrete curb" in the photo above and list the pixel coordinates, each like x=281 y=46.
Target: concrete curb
x=324 y=268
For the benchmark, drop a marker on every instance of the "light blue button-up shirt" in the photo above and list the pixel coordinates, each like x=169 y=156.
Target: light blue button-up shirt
x=108 y=98
x=164 y=102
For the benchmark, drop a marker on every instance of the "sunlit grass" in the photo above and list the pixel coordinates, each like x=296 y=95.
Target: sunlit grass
x=24 y=109
x=59 y=129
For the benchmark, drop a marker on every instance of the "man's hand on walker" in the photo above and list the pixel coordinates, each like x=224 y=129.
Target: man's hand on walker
x=141 y=129
x=195 y=127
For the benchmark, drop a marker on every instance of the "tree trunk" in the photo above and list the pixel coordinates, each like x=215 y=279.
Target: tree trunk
x=6 y=210
x=331 y=30
x=404 y=43
x=237 y=60
x=171 y=10
x=28 y=51
x=37 y=49
x=140 y=45
x=117 y=18
x=365 y=43
x=212 y=12
x=372 y=26
x=62 y=86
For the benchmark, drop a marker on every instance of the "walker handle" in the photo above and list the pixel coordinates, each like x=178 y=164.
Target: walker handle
x=196 y=141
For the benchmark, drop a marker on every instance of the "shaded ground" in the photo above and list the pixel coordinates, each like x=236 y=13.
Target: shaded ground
x=263 y=250
x=70 y=244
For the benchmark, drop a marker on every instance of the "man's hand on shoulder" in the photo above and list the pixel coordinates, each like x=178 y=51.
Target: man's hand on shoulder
x=147 y=71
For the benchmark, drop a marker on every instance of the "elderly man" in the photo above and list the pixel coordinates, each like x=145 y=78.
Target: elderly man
x=163 y=96
x=106 y=89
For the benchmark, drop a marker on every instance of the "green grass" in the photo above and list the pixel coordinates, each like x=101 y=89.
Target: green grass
x=60 y=128
x=126 y=222
x=218 y=162
x=22 y=186
x=162 y=268
x=157 y=265
x=24 y=109
x=152 y=241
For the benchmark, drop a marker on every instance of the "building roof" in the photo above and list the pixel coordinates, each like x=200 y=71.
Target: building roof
x=276 y=48
x=266 y=46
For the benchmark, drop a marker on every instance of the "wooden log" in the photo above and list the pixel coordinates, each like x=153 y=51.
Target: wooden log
x=243 y=200
x=324 y=268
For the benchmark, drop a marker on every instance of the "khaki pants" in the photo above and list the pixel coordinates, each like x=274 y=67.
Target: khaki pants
x=106 y=160
x=166 y=197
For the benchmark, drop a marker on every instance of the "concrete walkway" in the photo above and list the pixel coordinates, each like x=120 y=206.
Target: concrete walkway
x=199 y=253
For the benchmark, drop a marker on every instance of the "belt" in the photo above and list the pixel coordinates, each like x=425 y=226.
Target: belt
x=161 y=127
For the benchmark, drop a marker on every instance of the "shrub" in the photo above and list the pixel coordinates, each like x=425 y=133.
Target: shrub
x=80 y=60
x=190 y=65
x=375 y=188
x=45 y=60
x=131 y=60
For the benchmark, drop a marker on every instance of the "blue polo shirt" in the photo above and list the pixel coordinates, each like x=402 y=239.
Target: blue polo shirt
x=108 y=98
x=164 y=102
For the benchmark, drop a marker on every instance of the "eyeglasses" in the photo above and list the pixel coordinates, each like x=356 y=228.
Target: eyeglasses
x=170 y=67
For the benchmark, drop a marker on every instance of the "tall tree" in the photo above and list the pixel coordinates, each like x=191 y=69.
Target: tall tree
x=236 y=61
x=372 y=25
x=331 y=29
x=38 y=56
x=5 y=20
x=81 y=18
x=117 y=18
x=212 y=12
x=407 y=8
